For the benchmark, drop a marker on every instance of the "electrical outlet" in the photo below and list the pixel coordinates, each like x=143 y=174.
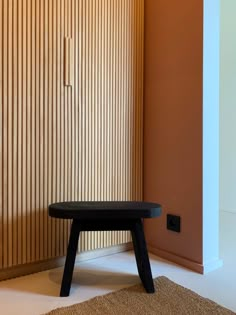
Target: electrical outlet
x=173 y=222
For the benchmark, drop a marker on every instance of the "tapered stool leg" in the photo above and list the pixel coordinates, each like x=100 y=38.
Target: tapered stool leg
x=141 y=254
x=70 y=259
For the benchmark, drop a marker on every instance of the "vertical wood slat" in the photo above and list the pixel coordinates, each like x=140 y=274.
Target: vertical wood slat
x=37 y=130
x=45 y=116
x=82 y=142
x=1 y=138
x=5 y=243
x=33 y=131
x=58 y=124
x=53 y=166
x=28 y=131
x=23 y=132
x=19 y=135
x=41 y=129
x=63 y=116
x=9 y=134
x=50 y=121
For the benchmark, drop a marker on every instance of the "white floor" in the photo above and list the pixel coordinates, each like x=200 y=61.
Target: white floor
x=37 y=294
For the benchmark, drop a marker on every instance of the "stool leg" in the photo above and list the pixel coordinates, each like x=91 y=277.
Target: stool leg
x=70 y=259
x=141 y=254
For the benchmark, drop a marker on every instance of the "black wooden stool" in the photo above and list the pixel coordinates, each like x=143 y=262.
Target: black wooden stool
x=107 y=216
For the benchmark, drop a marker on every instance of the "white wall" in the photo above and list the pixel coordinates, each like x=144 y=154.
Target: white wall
x=211 y=58
x=228 y=106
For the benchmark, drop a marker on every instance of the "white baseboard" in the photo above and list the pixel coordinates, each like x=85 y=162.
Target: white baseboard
x=26 y=269
x=200 y=268
x=212 y=265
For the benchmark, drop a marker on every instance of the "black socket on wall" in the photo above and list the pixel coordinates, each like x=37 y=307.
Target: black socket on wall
x=173 y=222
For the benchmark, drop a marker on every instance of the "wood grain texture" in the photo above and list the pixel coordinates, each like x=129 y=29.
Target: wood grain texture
x=57 y=142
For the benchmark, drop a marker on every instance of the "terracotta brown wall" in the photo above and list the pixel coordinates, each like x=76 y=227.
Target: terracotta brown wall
x=173 y=123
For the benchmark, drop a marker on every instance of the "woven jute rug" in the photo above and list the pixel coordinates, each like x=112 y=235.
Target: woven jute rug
x=169 y=298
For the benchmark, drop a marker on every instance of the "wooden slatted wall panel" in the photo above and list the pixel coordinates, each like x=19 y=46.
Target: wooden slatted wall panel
x=57 y=142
